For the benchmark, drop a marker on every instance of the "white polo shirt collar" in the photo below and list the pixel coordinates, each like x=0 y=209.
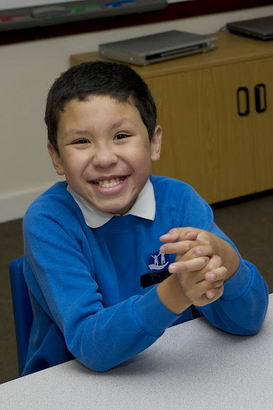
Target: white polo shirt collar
x=144 y=207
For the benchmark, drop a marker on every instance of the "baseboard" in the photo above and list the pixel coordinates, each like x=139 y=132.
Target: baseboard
x=14 y=205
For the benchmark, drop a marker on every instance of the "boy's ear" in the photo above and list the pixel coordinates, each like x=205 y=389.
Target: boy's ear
x=156 y=143
x=56 y=159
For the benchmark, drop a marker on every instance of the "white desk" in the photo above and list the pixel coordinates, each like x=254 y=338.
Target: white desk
x=192 y=366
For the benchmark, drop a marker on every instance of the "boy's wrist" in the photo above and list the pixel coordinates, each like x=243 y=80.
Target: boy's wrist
x=171 y=295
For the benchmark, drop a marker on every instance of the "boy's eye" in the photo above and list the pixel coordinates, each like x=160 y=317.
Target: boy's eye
x=121 y=136
x=81 y=141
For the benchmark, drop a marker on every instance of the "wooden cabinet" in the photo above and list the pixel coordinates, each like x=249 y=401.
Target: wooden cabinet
x=206 y=141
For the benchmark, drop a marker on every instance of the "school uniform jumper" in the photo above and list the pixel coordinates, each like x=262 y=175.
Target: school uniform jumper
x=86 y=284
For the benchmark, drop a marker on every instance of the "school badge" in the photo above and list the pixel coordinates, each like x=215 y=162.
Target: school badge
x=158 y=261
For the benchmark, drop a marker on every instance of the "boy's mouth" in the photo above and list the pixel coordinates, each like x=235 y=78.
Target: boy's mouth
x=109 y=182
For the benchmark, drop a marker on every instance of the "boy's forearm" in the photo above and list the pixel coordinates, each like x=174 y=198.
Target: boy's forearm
x=171 y=295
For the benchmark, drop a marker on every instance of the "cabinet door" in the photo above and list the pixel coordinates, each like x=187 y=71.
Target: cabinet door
x=262 y=125
x=206 y=142
x=255 y=129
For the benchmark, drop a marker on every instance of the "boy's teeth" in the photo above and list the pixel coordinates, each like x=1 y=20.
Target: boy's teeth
x=109 y=183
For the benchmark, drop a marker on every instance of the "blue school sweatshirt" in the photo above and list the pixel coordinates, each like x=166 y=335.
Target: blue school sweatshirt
x=86 y=287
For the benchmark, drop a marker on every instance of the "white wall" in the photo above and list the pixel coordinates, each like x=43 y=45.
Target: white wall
x=27 y=71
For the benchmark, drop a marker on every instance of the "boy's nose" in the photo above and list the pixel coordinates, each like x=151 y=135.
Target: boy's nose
x=104 y=157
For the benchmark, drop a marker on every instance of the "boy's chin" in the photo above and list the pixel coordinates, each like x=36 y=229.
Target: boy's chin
x=116 y=210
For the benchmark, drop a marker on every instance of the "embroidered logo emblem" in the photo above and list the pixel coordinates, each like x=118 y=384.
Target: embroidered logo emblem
x=158 y=261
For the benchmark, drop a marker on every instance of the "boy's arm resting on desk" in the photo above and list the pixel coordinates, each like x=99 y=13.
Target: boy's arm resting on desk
x=60 y=280
x=242 y=307
x=238 y=292
x=104 y=331
x=238 y=306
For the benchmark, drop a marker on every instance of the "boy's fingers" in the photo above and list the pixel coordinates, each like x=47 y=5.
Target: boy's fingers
x=201 y=294
x=191 y=235
x=188 y=250
x=216 y=274
x=177 y=247
x=179 y=234
x=214 y=263
x=214 y=293
x=196 y=250
x=191 y=265
x=217 y=284
x=171 y=236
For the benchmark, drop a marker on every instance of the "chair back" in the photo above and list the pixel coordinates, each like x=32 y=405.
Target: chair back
x=22 y=310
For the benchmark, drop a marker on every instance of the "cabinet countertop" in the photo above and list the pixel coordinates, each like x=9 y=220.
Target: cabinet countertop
x=229 y=48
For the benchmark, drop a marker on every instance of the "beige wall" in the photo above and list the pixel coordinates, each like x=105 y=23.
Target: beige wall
x=27 y=71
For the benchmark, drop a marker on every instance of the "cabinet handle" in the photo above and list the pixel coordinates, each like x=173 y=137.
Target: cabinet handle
x=242 y=101
x=260 y=98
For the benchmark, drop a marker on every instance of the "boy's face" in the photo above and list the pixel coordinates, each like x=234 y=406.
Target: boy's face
x=105 y=152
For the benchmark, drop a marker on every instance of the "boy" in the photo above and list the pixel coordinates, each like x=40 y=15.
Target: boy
x=114 y=255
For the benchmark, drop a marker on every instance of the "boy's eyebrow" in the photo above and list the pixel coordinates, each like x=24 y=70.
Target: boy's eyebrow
x=121 y=122
x=76 y=131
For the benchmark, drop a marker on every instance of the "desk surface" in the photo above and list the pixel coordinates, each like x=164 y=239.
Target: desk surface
x=192 y=366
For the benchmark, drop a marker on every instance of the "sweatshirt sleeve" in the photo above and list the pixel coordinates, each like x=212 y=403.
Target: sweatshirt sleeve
x=242 y=308
x=59 y=277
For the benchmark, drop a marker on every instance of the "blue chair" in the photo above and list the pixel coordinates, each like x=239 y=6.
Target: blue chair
x=22 y=310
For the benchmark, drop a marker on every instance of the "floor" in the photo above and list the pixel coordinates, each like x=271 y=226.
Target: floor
x=249 y=223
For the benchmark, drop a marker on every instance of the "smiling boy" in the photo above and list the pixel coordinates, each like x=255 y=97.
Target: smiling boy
x=114 y=255
x=102 y=143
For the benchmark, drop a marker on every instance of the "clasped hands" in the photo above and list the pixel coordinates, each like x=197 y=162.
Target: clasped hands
x=198 y=266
